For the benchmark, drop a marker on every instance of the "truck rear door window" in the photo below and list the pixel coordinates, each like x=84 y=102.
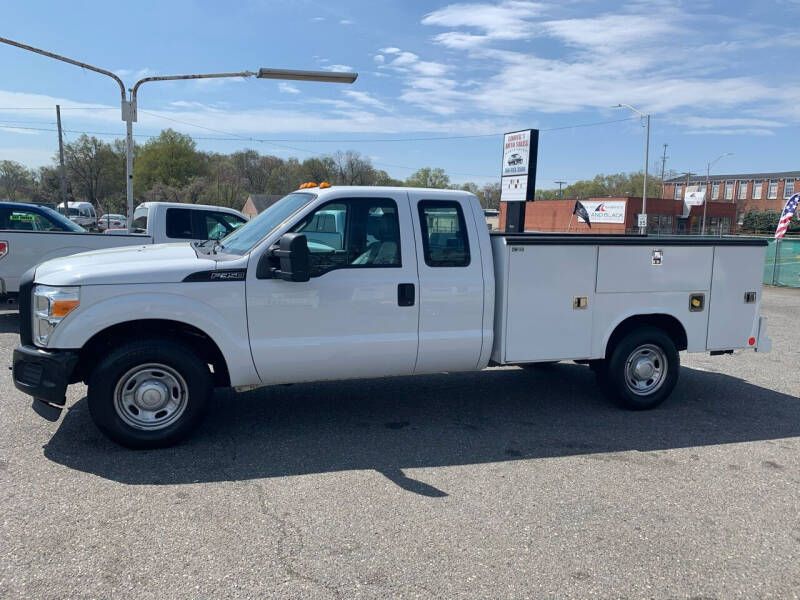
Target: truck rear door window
x=179 y=223
x=444 y=233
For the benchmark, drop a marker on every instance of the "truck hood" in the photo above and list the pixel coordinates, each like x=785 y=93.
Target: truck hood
x=159 y=263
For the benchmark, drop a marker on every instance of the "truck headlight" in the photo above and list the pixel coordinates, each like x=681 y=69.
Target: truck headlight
x=50 y=306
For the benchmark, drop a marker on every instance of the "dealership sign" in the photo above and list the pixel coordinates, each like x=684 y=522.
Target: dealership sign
x=606 y=211
x=518 y=176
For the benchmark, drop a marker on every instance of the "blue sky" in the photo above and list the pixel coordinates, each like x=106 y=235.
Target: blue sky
x=717 y=77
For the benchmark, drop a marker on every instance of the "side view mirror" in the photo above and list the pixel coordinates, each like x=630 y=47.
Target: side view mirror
x=292 y=252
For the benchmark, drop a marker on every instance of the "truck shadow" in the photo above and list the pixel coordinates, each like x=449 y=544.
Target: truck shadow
x=429 y=421
x=9 y=321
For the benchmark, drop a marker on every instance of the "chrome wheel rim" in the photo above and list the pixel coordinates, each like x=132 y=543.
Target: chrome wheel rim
x=151 y=397
x=645 y=369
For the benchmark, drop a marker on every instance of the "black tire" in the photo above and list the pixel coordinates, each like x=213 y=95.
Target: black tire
x=156 y=371
x=640 y=389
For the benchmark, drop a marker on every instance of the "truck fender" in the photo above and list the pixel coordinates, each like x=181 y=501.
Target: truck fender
x=601 y=345
x=231 y=337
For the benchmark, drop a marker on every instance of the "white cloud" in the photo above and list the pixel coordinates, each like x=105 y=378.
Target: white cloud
x=650 y=53
x=506 y=21
x=339 y=68
x=717 y=122
x=287 y=88
x=317 y=19
x=130 y=76
x=345 y=22
x=379 y=58
x=30 y=157
x=365 y=98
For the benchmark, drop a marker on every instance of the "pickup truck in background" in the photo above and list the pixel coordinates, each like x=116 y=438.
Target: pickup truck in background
x=358 y=282
x=32 y=234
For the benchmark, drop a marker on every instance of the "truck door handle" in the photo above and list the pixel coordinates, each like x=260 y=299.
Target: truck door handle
x=405 y=294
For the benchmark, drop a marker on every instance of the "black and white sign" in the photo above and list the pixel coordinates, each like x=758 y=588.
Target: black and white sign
x=518 y=176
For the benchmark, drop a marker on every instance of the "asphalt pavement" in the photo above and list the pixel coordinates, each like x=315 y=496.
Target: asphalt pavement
x=508 y=483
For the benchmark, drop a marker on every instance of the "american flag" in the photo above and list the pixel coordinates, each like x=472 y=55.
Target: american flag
x=786 y=216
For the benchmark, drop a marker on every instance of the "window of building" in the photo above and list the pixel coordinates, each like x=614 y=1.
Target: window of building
x=715 y=190
x=355 y=233
x=659 y=224
x=788 y=188
x=772 y=190
x=444 y=234
x=742 y=190
x=757 y=189
x=729 y=190
x=678 y=195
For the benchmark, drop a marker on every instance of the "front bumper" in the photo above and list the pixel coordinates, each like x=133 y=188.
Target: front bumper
x=44 y=375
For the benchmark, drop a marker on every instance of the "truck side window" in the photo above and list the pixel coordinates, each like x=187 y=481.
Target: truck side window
x=179 y=223
x=444 y=233
x=348 y=234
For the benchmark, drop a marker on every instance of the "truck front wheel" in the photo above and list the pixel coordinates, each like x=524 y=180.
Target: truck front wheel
x=642 y=370
x=149 y=394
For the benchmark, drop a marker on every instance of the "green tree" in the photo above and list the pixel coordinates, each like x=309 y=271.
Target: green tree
x=171 y=159
x=94 y=170
x=429 y=178
x=14 y=179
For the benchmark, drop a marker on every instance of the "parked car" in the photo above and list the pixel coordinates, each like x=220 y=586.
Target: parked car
x=34 y=239
x=404 y=281
x=17 y=216
x=82 y=213
x=112 y=221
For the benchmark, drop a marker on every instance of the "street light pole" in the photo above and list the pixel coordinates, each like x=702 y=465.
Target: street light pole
x=646 y=117
x=560 y=183
x=129 y=106
x=708 y=189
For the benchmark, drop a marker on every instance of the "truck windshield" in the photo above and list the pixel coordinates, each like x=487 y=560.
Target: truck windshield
x=251 y=233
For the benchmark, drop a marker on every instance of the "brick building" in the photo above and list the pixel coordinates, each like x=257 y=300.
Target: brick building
x=763 y=192
x=665 y=216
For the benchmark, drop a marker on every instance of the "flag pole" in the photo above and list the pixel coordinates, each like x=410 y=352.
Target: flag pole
x=572 y=216
x=775 y=261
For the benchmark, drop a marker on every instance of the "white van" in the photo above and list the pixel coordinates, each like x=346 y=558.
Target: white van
x=82 y=213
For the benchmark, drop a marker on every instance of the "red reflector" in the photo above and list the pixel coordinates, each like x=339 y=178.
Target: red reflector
x=752 y=341
x=3 y=249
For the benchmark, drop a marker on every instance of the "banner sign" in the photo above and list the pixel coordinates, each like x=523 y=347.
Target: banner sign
x=607 y=211
x=695 y=195
x=519 y=165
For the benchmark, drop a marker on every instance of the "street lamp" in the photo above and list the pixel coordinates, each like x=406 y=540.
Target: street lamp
x=708 y=179
x=646 y=117
x=129 y=106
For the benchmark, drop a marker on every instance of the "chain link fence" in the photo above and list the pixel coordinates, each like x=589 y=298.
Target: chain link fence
x=782 y=263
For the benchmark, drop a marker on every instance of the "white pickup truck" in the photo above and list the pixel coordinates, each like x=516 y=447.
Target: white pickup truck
x=32 y=234
x=350 y=282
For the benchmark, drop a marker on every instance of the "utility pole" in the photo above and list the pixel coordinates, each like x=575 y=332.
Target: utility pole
x=62 y=171
x=664 y=158
x=560 y=183
x=646 y=118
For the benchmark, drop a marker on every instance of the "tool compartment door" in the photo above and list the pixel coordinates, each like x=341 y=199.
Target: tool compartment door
x=542 y=322
x=730 y=321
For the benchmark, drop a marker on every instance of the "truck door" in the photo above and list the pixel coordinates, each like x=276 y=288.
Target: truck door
x=450 y=282
x=358 y=314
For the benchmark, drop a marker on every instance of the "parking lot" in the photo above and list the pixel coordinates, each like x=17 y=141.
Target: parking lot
x=505 y=484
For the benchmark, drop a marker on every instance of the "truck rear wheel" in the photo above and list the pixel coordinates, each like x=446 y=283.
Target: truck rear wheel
x=642 y=370
x=149 y=394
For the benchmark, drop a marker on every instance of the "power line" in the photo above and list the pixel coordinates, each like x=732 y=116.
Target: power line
x=62 y=108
